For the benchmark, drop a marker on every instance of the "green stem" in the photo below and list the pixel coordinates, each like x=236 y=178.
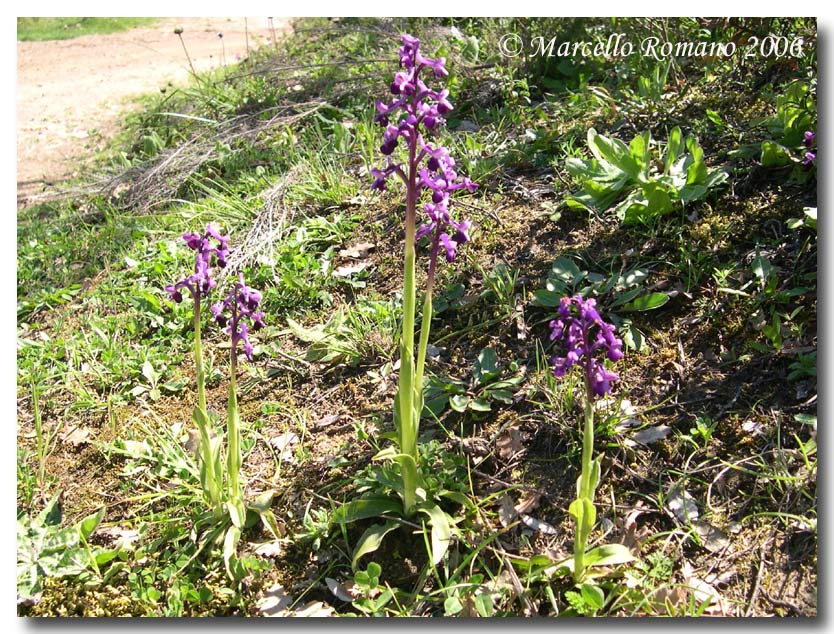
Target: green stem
x=425 y=328
x=583 y=528
x=210 y=485
x=198 y=356
x=233 y=460
x=408 y=421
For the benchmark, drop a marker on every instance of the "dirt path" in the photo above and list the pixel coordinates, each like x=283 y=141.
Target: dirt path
x=70 y=92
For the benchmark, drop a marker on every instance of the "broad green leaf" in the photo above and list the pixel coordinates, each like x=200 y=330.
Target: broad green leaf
x=505 y=396
x=697 y=170
x=775 y=155
x=549 y=299
x=89 y=524
x=230 y=548
x=237 y=512
x=149 y=373
x=639 y=151
x=441 y=532
x=593 y=596
x=650 y=301
x=608 y=555
x=263 y=502
x=452 y=606
x=363 y=508
x=761 y=267
x=483 y=604
x=480 y=405
x=565 y=269
x=308 y=335
x=674 y=147
x=486 y=366
x=371 y=539
x=459 y=402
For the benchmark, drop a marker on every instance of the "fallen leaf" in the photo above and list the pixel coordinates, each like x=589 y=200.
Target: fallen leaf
x=713 y=538
x=529 y=502
x=76 y=436
x=283 y=445
x=538 y=525
x=137 y=449
x=752 y=427
x=703 y=592
x=682 y=506
x=509 y=443
x=268 y=549
x=274 y=602
x=651 y=434
x=346 y=270
x=338 y=589
x=357 y=251
x=121 y=537
x=327 y=419
x=313 y=609
x=506 y=510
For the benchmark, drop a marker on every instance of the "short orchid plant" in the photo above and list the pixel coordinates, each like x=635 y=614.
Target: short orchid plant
x=238 y=312
x=586 y=336
x=428 y=172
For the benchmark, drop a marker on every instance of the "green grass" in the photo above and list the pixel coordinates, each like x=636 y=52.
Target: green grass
x=42 y=29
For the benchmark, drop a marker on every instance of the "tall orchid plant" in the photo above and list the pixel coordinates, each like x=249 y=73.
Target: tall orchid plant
x=586 y=336
x=238 y=313
x=430 y=178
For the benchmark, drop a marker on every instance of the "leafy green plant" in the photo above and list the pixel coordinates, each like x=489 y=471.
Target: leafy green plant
x=488 y=383
x=627 y=173
x=46 y=549
x=621 y=292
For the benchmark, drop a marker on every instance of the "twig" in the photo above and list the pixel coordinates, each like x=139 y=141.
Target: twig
x=759 y=575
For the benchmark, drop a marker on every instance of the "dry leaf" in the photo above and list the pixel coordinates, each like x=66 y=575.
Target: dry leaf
x=346 y=270
x=538 y=525
x=506 y=511
x=328 y=419
x=529 y=502
x=703 y=592
x=357 y=251
x=76 y=436
x=713 y=539
x=268 y=549
x=121 y=537
x=283 y=445
x=651 y=434
x=682 y=506
x=274 y=602
x=509 y=443
x=339 y=590
x=313 y=609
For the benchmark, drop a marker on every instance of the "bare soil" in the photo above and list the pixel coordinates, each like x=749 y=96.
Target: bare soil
x=72 y=93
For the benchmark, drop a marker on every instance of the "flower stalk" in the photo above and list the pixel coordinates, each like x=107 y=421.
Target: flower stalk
x=577 y=318
x=428 y=168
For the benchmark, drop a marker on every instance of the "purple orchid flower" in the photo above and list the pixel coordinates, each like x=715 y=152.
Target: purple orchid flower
x=584 y=332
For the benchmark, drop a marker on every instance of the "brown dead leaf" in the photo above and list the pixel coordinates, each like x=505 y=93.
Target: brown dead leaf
x=509 y=443
x=506 y=510
x=120 y=537
x=704 y=592
x=712 y=538
x=268 y=549
x=75 y=436
x=327 y=420
x=274 y=602
x=283 y=445
x=346 y=270
x=651 y=434
x=529 y=502
x=358 y=251
x=538 y=525
x=339 y=590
